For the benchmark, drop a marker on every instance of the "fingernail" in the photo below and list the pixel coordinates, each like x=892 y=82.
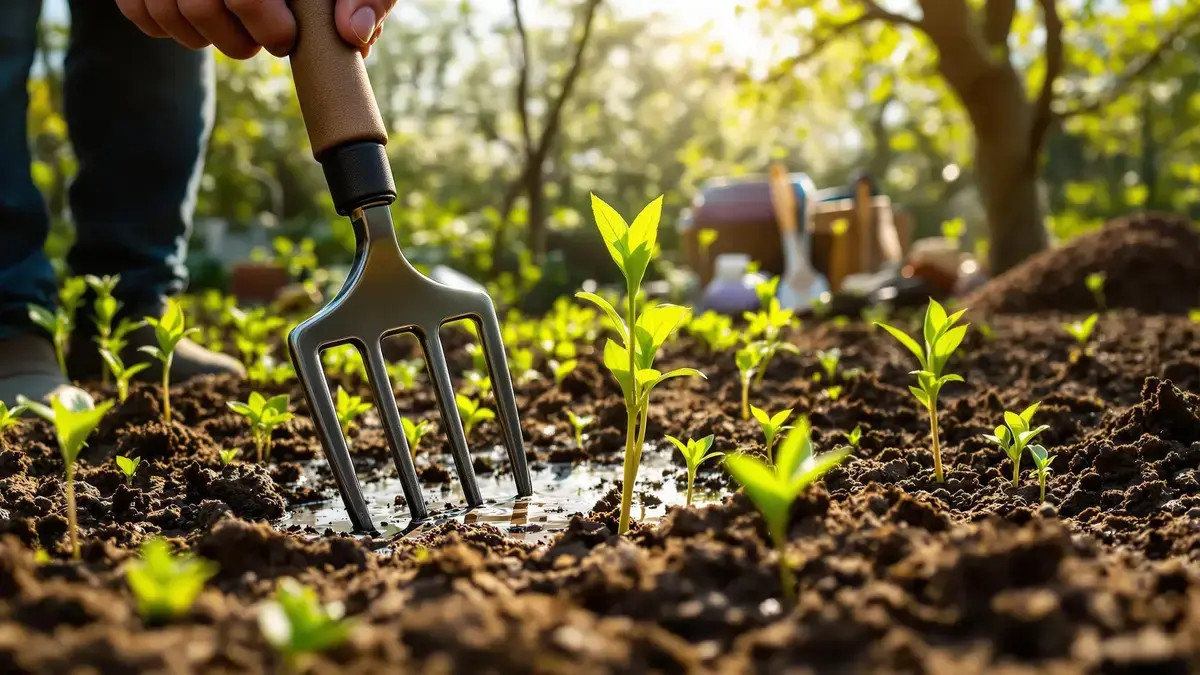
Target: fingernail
x=362 y=22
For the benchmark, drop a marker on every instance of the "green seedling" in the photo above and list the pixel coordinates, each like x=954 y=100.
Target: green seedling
x=855 y=436
x=264 y=415
x=873 y=315
x=834 y=392
x=297 y=624
x=405 y=372
x=72 y=427
x=706 y=238
x=169 y=331
x=642 y=332
x=1095 y=285
x=344 y=361
x=10 y=418
x=41 y=556
x=1041 y=460
x=767 y=326
x=953 y=231
x=1194 y=315
x=227 y=456
x=1082 y=332
x=472 y=412
x=749 y=360
x=772 y=426
x=166 y=585
x=829 y=360
x=985 y=329
x=562 y=370
x=942 y=337
x=715 y=330
x=61 y=321
x=349 y=408
x=122 y=375
x=128 y=466
x=578 y=423
x=1014 y=435
x=414 y=432
x=773 y=489
x=695 y=452
x=105 y=308
x=478 y=382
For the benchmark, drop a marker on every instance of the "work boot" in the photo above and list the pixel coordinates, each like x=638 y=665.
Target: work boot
x=29 y=368
x=84 y=362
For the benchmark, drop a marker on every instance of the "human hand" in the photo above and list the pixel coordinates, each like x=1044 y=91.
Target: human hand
x=239 y=28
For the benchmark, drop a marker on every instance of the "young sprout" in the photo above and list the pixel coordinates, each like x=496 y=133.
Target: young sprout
x=772 y=426
x=834 y=392
x=227 y=456
x=985 y=329
x=105 y=310
x=829 y=362
x=166 y=585
x=578 y=422
x=748 y=359
x=405 y=372
x=121 y=374
x=1194 y=315
x=1082 y=332
x=9 y=418
x=1014 y=435
x=1095 y=285
x=705 y=239
x=72 y=427
x=715 y=330
x=264 y=415
x=953 y=230
x=472 y=412
x=855 y=436
x=773 y=489
x=349 y=408
x=695 y=452
x=767 y=325
x=942 y=337
x=643 y=331
x=128 y=466
x=60 y=322
x=562 y=370
x=169 y=331
x=296 y=623
x=1041 y=460
x=414 y=432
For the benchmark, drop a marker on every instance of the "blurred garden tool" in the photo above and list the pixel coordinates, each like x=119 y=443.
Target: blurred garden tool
x=383 y=294
x=800 y=284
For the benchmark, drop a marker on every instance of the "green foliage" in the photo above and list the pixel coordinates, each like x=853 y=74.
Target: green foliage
x=166 y=585
x=749 y=360
x=128 y=466
x=472 y=412
x=122 y=375
x=855 y=436
x=834 y=392
x=252 y=335
x=227 y=456
x=349 y=408
x=1014 y=435
x=766 y=326
x=1041 y=461
x=774 y=488
x=1095 y=285
x=631 y=360
x=344 y=361
x=169 y=331
x=296 y=623
x=953 y=230
x=562 y=370
x=404 y=373
x=695 y=452
x=71 y=427
x=829 y=359
x=706 y=238
x=771 y=426
x=942 y=337
x=60 y=322
x=714 y=330
x=264 y=415
x=414 y=432
x=1194 y=315
x=578 y=424
x=105 y=308
x=10 y=418
x=1082 y=331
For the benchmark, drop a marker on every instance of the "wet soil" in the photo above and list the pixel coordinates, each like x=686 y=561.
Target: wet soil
x=896 y=572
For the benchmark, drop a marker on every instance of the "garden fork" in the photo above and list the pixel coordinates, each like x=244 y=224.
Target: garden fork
x=383 y=295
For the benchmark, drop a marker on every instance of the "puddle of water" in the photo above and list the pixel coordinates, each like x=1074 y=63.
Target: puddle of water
x=559 y=491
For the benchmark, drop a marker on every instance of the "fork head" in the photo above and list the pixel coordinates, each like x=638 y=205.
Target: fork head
x=385 y=295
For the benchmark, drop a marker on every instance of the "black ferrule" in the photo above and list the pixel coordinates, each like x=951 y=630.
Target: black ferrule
x=358 y=174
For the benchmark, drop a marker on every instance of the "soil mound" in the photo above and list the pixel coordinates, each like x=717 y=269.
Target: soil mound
x=1151 y=262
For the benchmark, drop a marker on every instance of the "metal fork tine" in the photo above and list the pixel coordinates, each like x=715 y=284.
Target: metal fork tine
x=439 y=372
x=324 y=417
x=385 y=403
x=506 y=399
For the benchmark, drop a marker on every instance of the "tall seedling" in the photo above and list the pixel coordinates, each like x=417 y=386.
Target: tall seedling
x=942 y=337
x=60 y=322
x=169 y=331
x=642 y=332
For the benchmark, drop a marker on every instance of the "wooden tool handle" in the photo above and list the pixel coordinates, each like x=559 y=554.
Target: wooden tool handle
x=335 y=95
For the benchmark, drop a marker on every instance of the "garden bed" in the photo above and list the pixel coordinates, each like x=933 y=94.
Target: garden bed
x=896 y=572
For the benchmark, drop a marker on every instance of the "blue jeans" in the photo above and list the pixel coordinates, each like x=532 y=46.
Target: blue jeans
x=139 y=111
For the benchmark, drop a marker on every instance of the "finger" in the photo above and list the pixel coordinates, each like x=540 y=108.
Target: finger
x=269 y=22
x=166 y=13
x=358 y=20
x=366 y=50
x=219 y=26
x=135 y=11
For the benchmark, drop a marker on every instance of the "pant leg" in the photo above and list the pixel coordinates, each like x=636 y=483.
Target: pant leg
x=139 y=111
x=26 y=276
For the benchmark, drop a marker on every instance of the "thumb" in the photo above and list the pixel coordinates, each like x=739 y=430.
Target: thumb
x=358 y=21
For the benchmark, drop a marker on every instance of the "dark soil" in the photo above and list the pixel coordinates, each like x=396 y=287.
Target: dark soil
x=896 y=572
x=1151 y=263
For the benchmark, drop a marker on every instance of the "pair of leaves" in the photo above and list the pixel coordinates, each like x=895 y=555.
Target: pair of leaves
x=695 y=451
x=749 y=358
x=414 y=432
x=829 y=360
x=942 y=337
x=472 y=411
x=1014 y=435
x=10 y=417
x=169 y=331
x=616 y=359
x=72 y=426
x=296 y=622
x=128 y=465
x=265 y=413
x=631 y=246
x=164 y=584
x=1081 y=330
x=771 y=425
x=349 y=408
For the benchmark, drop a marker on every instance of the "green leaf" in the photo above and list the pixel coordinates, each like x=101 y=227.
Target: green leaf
x=615 y=320
x=763 y=488
x=905 y=340
x=818 y=467
x=616 y=359
x=636 y=263
x=644 y=230
x=660 y=322
x=781 y=417
x=760 y=415
x=678 y=372
x=1027 y=414
x=920 y=395
x=612 y=228
x=949 y=341
x=795 y=451
x=278 y=403
x=74 y=426
x=1014 y=422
